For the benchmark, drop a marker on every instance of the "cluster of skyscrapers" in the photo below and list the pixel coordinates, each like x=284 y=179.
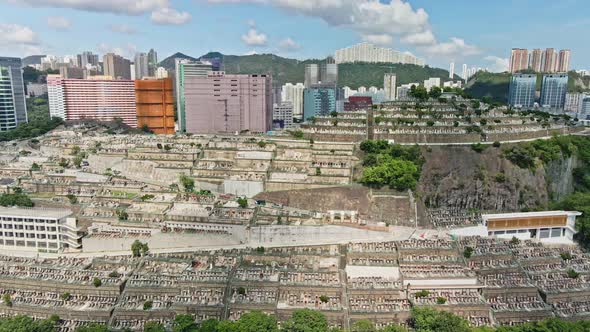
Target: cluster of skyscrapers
x=540 y=61
x=366 y=52
x=553 y=96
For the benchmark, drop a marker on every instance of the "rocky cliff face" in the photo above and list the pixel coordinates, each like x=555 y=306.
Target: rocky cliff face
x=460 y=177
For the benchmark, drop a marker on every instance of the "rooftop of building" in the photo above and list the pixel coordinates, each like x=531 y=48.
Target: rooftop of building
x=530 y=214
x=35 y=212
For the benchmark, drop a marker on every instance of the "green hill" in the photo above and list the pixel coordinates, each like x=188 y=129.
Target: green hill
x=352 y=75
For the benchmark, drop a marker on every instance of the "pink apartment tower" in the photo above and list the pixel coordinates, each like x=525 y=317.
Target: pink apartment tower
x=98 y=99
x=224 y=103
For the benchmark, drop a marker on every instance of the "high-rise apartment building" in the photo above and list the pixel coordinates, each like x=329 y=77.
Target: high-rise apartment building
x=585 y=109
x=99 y=99
x=282 y=115
x=71 y=72
x=319 y=100
x=522 y=90
x=519 y=59
x=155 y=105
x=87 y=59
x=465 y=72
x=389 y=85
x=13 y=108
x=535 y=62
x=564 y=61
x=553 y=91
x=152 y=62
x=141 y=66
x=452 y=70
x=551 y=61
x=573 y=102
x=116 y=66
x=329 y=72
x=224 y=103
x=365 y=52
x=431 y=83
x=312 y=74
x=294 y=93
x=185 y=69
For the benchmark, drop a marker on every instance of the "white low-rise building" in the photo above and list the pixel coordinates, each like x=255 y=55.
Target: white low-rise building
x=40 y=230
x=558 y=227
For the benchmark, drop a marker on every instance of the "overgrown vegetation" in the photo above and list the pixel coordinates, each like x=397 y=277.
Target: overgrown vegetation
x=16 y=199
x=39 y=122
x=391 y=165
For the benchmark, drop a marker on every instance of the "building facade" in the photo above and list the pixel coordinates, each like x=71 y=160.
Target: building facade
x=553 y=91
x=356 y=103
x=312 y=74
x=585 y=110
x=224 y=103
x=48 y=230
x=294 y=93
x=522 y=89
x=13 y=108
x=431 y=83
x=97 y=99
x=519 y=59
x=547 y=226
x=318 y=100
x=184 y=70
x=116 y=66
x=366 y=52
x=535 y=60
x=329 y=72
x=573 y=102
x=282 y=115
x=152 y=62
x=155 y=105
x=390 y=85
x=141 y=66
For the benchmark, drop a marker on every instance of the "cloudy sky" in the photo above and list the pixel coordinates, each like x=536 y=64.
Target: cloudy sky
x=479 y=33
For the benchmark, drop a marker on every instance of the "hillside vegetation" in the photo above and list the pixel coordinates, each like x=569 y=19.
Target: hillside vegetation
x=352 y=75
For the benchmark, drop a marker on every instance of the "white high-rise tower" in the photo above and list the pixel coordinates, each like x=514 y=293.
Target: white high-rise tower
x=452 y=70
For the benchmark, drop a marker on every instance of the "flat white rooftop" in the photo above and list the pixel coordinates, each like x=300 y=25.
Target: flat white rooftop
x=34 y=212
x=530 y=214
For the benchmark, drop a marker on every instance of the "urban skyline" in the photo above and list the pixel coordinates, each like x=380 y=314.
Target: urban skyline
x=265 y=27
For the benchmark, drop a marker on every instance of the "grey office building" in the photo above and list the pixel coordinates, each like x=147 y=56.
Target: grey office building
x=312 y=74
x=553 y=91
x=13 y=108
x=585 y=109
x=522 y=90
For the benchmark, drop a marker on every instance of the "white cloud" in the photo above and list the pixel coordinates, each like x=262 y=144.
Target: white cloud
x=15 y=34
x=454 y=47
x=126 y=7
x=289 y=45
x=127 y=51
x=420 y=38
x=254 y=38
x=169 y=16
x=375 y=21
x=59 y=22
x=18 y=40
x=498 y=64
x=383 y=40
x=123 y=28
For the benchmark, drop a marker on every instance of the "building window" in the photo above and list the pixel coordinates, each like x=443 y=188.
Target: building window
x=556 y=232
x=544 y=234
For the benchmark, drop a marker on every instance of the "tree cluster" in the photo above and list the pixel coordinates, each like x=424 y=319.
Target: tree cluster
x=391 y=165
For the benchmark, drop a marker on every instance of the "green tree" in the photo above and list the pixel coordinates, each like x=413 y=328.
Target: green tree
x=305 y=320
x=435 y=92
x=430 y=320
x=257 y=321
x=184 y=323
x=188 y=183
x=139 y=249
x=242 y=202
x=363 y=326
x=209 y=325
x=153 y=327
x=97 y=282
x=394 y=328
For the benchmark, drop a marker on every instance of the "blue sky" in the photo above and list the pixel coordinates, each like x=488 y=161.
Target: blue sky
x=479 y=33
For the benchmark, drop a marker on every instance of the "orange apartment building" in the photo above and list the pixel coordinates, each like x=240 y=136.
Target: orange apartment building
x=155 y=105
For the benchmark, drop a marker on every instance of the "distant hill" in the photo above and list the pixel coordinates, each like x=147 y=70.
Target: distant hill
x=169 y=62
x=496 y=85
x=286 y=70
